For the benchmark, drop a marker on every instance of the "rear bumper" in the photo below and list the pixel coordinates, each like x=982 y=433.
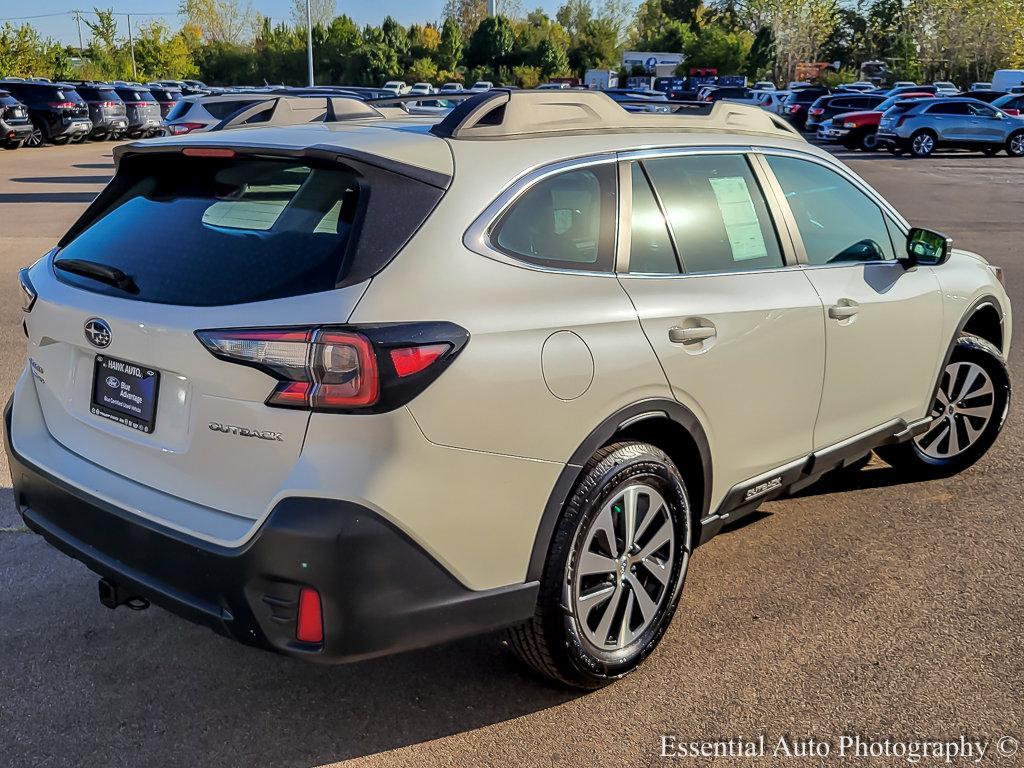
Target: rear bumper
x=15 y=131
x=381 y=593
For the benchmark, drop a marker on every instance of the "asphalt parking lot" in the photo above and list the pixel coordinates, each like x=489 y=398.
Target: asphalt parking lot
x=870 y=607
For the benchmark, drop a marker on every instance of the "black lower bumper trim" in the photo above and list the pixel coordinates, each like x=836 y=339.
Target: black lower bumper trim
x=381 y=592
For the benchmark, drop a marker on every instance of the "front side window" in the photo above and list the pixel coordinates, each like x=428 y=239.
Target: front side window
x=717 y=213
x=837 y=222
x=563 y=222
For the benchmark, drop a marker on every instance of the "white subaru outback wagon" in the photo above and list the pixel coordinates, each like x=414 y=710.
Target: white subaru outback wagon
x=349 y=388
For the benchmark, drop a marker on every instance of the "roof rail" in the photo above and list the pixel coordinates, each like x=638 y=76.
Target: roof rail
x=299 y=110
x=501 y=113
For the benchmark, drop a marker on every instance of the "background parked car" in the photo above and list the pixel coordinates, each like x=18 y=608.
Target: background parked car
x=629 y=94
x=144 y=118
x=421 y=89
x=857 y=130
x=481 y=85
x=921 y=126
x=106 y=109
x=1011 y=103
x=397 y=87
x=946 y=88
x=827 y=107
x=735 y=93
x=896 y=90
x=799 y=101
x=1005 y=79
x=988 y=96
x=166 y=97
x=980 y=87
x=15 y=125
x=57 y=112
x=451 y=88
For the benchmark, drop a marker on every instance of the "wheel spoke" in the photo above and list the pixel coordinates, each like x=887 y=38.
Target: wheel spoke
x=981 y=411
x=625 y=633
x=973 y=372
x=954 y=437
x=605 y=626
x=590 y=600
x=942 y=398
x=660 y=538
x=658 y=569
x=630 y=501
x=592 y=563
x=643 y=600
x=653 y=510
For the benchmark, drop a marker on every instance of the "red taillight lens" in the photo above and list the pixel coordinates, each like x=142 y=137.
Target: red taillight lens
x=61 y=105
x=901 y=120
x=208 y=152
x=342 y=369
x=410 y=360
x=816 y=111
x=345 y=371
x=177 y=129
x=309 y=625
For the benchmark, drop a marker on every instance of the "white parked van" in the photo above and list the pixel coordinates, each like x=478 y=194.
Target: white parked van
x=1005 y=79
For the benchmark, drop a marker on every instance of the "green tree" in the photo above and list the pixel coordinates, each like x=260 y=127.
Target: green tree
x=468 y=14
x=720 y=48
x=552 y=58
x=761 y=60
x=422 y=70
x=595 y=47
x=161 y=53
x=449 y=51
x=491 y=43
x=221 y=21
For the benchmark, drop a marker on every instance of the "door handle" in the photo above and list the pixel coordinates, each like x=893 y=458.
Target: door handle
x=690 y=335
x=843 y=311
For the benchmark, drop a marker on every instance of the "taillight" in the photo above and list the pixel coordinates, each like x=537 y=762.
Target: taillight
x=177 y=129
x=145 y=103
x=61 y=105
x=901 y=120
x=816 y=111
x=108 y=104
x=342 y=369
x=28 y=292
x=794 y=109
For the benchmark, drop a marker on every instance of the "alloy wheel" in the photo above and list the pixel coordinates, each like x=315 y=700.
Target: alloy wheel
x=622 y=577
x=963 y=408
x=1017 y=145
x=923 y=144
x=35 y=139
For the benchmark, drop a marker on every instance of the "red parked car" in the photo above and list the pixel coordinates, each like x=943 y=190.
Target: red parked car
x=856 y=130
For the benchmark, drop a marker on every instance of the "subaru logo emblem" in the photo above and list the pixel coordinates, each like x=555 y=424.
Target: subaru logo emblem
x=97 y=332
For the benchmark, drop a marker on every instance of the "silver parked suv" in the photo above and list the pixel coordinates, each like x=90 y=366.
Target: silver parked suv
x=344 y=389
x=920 y=126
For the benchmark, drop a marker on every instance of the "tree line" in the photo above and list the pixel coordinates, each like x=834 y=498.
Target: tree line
x=226 y=42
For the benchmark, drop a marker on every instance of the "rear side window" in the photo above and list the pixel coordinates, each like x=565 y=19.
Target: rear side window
x=717 y=213
x=178 y=110
x=650 y=248
x=563 y=222
x=221 y=109
x=950 y=108
x=216 y=231
x=838 y=223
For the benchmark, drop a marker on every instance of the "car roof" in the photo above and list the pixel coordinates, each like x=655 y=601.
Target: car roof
x=545 y=126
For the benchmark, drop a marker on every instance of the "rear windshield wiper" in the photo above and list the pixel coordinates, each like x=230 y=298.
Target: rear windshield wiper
x=103 y=273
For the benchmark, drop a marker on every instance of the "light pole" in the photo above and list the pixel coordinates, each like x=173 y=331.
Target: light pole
x=309 y=41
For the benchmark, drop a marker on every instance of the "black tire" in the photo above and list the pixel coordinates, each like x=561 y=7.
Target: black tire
x=911 y=458
x=922 y=143
x=894 y=150
x=14 y=144
x=1015 y=144
x=59 y=140
x=38 y=136
x=868 y=141
x=98 y=136
x=553 y=642
x=991 y=151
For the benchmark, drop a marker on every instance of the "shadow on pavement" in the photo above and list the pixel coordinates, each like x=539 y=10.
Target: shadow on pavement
x=48 y=197
x=87 y=166
x=63 y=179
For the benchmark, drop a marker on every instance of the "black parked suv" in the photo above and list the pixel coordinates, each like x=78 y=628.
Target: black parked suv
x=826 y=107
x=166 y=97
x=106 y=110
x=15 y=126
x=142 y=109
x=57 y=112
x=798 y=103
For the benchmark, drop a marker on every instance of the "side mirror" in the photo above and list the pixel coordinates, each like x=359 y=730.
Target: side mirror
x=927 y=248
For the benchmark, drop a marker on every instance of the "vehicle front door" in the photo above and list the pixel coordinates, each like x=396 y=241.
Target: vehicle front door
x=989 y=124
x=736 y=326
x=882 y=322
x=952 y=121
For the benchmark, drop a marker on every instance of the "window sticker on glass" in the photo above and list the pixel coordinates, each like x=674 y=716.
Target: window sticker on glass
x=740 y=218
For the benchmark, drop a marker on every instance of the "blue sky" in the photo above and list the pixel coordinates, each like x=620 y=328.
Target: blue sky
x=63 y=27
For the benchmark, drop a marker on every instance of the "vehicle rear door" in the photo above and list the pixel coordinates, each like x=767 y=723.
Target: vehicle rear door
x=735 y=324
x=882 y=321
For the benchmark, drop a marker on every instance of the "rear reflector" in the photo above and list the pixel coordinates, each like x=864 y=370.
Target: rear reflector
x=208 y=152
x=309 y=626
x=410 y=360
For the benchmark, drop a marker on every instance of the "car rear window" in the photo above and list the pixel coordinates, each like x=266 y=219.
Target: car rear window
x=179 y=109
x=202 y=231
x=221 y=109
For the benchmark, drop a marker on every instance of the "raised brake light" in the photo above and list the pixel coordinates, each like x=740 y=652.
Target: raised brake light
x=342 y=369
